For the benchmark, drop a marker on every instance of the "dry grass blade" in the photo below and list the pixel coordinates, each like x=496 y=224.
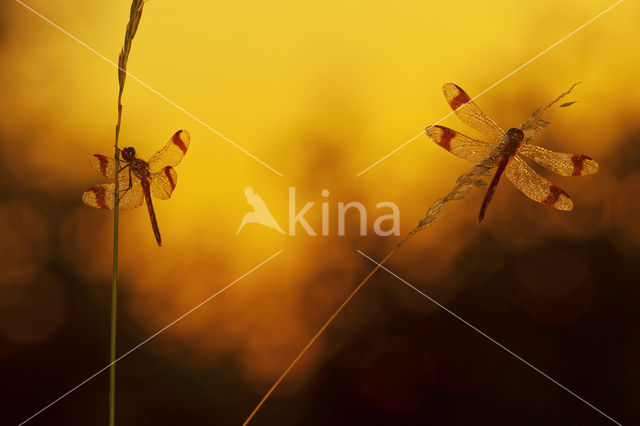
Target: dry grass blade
x=464 y=184
x=536 y=123
x=132 y=27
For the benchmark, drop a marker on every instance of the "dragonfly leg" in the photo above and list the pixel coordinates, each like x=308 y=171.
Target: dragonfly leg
x=119 y=160
x=122 y=168
x=130 y=183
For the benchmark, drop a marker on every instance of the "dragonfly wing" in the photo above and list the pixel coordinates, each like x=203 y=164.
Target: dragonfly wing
x=535 y=186
x=172 y=153
x=458 y=144
x=562 y=163
x=469 y=112
x=163 y=183
x=106 y=166
x=102 y=196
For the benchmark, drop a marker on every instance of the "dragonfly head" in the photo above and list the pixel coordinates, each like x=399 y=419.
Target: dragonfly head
x=515 y=134
x=128 y=153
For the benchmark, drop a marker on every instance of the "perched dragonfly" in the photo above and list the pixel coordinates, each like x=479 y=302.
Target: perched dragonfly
x=138 y=179
x=512 y=146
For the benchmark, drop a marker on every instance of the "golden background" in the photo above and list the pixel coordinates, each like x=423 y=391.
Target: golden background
x=318 y=92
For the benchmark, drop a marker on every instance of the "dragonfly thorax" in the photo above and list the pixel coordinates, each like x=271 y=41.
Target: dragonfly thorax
x=140 y=169
x=514 y=138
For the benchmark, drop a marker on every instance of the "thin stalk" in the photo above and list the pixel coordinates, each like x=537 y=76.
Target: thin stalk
x=464 y=184
x=315 y=337
x=114 y=311
x=132 y=26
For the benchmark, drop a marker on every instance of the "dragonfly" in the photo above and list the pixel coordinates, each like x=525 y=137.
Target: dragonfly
x=511 y=146
x=138 y=179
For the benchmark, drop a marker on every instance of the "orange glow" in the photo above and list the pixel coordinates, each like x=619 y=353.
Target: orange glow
x=318 y=93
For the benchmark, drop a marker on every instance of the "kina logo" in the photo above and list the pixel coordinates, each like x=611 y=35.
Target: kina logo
x=384 y=224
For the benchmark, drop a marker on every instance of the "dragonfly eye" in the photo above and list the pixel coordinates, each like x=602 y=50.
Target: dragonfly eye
x=128 y=153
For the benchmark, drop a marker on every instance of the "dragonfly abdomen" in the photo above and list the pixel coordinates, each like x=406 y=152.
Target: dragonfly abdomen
x=152 y=215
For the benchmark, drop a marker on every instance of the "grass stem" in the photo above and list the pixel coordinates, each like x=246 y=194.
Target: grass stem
x=132 y=26
x=464 y=184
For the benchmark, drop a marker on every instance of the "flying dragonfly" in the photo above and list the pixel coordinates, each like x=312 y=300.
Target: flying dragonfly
x=138 y=179
x=512 y=146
